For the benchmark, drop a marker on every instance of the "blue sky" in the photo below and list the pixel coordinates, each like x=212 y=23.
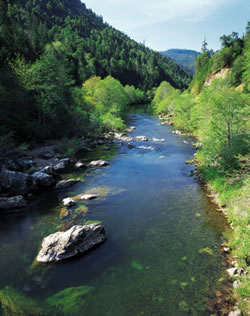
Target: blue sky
x=165 y=24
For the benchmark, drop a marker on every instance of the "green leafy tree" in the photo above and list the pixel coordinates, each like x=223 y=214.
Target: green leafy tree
x=223 y=127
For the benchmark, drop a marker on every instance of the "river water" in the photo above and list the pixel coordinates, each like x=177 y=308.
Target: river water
x=162 y=253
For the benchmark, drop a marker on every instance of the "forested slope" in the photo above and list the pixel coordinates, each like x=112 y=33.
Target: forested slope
x=48 y=49
x=183 y=57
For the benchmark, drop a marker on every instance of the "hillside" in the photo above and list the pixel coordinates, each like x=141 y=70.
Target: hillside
x=48 y=49
x=183 y=57
x=91 y=46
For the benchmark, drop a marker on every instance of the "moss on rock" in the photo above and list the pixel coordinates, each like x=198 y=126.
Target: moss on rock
x=14 y=303
x=70 y=300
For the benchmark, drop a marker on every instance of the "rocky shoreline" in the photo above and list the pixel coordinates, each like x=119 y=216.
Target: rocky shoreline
x=40 y=169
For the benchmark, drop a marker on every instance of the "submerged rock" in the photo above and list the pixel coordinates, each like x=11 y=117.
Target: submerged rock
x=12 y=202
x=65 y=184
x=64 y=213
x=130 y=146
x=78 y=239
x=15 y=303
x=98 y=163
x=136 y=265
x=206 y=250
x=131 y=129
x=69 y=301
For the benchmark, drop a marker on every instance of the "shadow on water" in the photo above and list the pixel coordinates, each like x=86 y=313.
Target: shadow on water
x=162 y=253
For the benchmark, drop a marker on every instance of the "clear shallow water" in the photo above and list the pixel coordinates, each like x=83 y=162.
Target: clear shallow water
x=162 y=253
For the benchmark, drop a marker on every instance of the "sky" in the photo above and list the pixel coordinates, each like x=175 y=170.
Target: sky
x=165 y=24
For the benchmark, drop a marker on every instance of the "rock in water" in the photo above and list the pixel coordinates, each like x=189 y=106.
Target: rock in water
x=65 y=184
x=98 y=163
x=68 y=202
x=87 y=197
x=76 y=240
x=143 y=138
x=12 y=202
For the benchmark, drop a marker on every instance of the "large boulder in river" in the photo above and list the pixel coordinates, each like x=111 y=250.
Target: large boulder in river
x=76 y=240
x=16 y=182
x=12 y=202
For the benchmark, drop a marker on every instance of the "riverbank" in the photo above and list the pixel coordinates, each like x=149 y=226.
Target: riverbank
x=230 y=192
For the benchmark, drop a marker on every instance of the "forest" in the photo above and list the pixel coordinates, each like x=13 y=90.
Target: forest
x=215 y=109
x=48 y=49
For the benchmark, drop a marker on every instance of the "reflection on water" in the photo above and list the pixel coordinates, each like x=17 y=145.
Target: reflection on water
x=162 y=253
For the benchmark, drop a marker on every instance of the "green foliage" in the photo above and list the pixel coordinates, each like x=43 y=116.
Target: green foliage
x=237 y=71
x=203 y=66
x=108 y=99
x=183 y=112
x=224 y=122
x=68 y=147
x=246 y=64
x=164 y=99
x=232 y=48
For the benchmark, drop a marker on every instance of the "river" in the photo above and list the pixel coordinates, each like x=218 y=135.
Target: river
x=162 y=254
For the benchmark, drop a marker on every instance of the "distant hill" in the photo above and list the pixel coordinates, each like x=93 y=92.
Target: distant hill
x=183 y=57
